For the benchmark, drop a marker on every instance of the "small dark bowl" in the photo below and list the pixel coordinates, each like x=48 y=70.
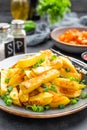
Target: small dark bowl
x=64 y=46
x=84 y=56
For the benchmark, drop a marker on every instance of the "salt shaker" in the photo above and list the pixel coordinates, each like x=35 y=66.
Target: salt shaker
x=6 y=41
x=19 y=35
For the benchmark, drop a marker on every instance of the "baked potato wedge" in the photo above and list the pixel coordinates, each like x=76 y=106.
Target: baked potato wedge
x=42 y=99
x=58 y=100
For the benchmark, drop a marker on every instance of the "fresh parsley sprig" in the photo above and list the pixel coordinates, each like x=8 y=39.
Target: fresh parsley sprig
x=54 y=8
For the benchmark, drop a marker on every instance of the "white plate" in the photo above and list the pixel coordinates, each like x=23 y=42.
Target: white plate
x=70 y=109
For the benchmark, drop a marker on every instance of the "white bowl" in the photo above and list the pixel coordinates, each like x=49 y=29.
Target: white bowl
x=64 y=46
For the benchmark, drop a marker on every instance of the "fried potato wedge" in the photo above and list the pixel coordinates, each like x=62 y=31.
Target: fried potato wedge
x=27 y=62
x=41 y=69
x=16 y=78
x=65 y=74
x=14 y=96
x=67 y=83
x=3 y=87
x=30 y=61
x=23 y=97
x=58 y=100
x=70 y=93
x=68 y=64
x=41 y=99
x=30 y=85
x=55 y=64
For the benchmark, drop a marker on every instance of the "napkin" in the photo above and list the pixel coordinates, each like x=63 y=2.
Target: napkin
x=40 y=35
x=43 y=29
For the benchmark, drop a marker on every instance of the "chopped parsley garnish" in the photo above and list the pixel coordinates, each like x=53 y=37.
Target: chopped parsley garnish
x=49 y=87
x=73 y=101
x=10 y=88
x=7 y=80
x=52 y=88
x=67 y=69
x=45 y=89
x=73 y=79
x=7 y=99
x=83 y=81
x=35 y=108
x=61 y=106
x=46 y=107
x=83 y=95
x=53 y=57
x=40 y=61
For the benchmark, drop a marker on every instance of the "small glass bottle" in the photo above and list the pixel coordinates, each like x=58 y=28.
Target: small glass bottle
x=19 y=9
x=19 y=35
x=6 y=41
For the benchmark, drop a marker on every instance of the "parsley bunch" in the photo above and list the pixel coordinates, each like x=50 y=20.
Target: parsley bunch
x=54 y=8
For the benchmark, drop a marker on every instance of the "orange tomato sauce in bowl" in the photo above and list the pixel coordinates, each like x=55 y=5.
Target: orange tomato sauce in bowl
x=74 y=36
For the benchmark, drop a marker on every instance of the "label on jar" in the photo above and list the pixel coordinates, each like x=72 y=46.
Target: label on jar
x=19 y=45
x=9 y=49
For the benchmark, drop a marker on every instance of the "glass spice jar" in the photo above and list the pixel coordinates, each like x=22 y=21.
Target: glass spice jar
x=19 y=35
x=6 y=41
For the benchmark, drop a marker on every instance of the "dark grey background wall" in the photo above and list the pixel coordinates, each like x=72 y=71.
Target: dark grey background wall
x=77 y=5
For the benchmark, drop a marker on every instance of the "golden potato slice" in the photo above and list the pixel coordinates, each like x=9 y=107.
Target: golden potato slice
x=41 y=69
x=67 y=83
x=14 y=97
x=41 y=99
x=28 y=73
x=30 y=61
x=58 y=100
x=56 y=64
x=68 y=64
x=70 y=93
x=23 y=97
x=12 y=72
x=3 y=87
x=32 y=84
x=27 y=62
x=66 y=74
x=16 y=78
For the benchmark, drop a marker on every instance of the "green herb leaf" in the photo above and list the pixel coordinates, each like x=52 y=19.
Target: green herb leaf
x=7 y=80
x=83 y=95
x=54 y=8
x=67 y=69
x=83 y=81
x=73 y=101
x=61 y=106
x=52 y=88
x=73 y=79
x=53 y=57
x=9 y=102
x=45 y=89
x=47 y=107
x=29 y=25
x=10 y=88
x=40 y=61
